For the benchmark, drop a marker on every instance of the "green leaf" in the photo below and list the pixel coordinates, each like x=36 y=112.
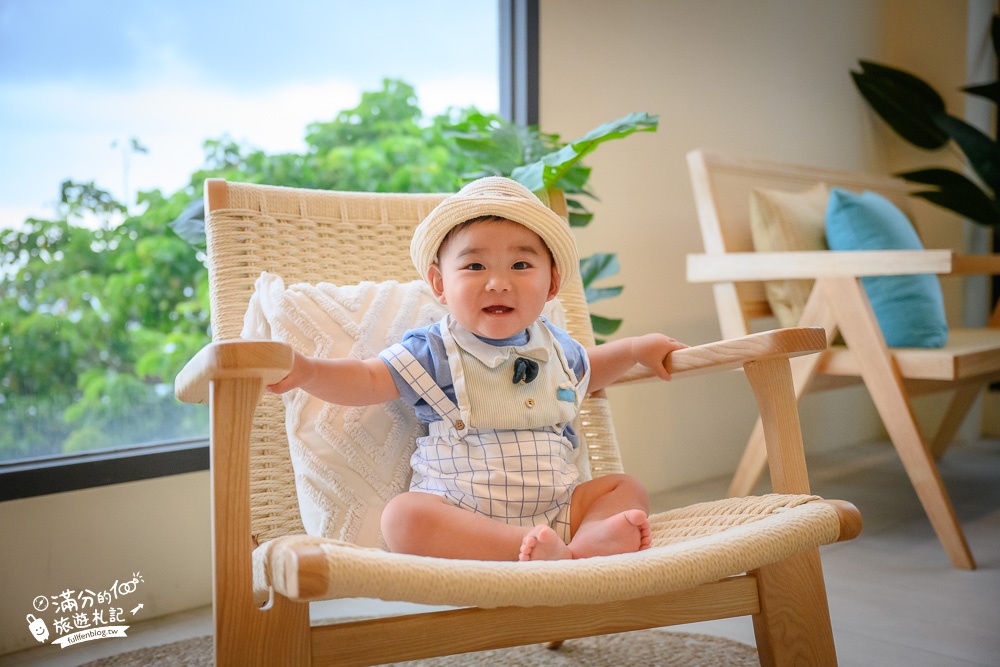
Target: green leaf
x=531 y=176
x=990 y=91
x=499 y=152
x=604 y=326
x=988 y=217
x=190 y=225
x=910 y=85
x=579 y=216
x=905 y=102
x=956 y=193
x=545 y=173
x=598 y=266
x=594 y=294
x=995 y=35
x=982 y=152
x=574 y=180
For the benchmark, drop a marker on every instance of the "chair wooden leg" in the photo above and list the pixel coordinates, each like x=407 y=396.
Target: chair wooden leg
x=920 y=467
x=958 y=408
x=755 y=456
x=793 y=625
x=885 y=384
x=751 y=464
x=771 y=380
x=244 y=634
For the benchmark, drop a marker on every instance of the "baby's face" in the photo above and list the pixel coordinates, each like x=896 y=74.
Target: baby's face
x=495 y=277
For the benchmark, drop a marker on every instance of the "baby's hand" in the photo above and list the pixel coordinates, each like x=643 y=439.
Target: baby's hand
x=302 y=372
x=651 y=351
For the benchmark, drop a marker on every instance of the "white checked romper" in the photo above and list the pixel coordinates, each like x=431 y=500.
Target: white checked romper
x=501 y=451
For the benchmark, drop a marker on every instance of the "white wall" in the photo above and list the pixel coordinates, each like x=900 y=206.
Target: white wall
x=767 y=78
x=87 y=540
x=759 y=77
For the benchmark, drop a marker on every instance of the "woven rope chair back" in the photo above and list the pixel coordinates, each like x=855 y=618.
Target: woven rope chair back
x=342 y=238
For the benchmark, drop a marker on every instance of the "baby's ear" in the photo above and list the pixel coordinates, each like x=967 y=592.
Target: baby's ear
x=554 y=284
x=436 y=281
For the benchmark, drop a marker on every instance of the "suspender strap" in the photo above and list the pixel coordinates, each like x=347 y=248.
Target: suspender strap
x=423 y=384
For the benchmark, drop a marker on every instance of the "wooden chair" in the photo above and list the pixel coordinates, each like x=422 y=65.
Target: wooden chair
x=970 y=360
x=752 y=556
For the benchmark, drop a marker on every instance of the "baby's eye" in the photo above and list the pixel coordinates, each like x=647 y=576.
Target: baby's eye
x=521 y=266
x=475 y=266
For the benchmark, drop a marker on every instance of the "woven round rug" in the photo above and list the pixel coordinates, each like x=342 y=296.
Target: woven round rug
x=645 y=647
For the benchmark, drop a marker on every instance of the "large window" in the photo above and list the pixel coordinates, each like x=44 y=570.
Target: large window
x=111 y=116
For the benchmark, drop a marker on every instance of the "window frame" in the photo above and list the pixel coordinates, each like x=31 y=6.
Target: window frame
x=27 y=478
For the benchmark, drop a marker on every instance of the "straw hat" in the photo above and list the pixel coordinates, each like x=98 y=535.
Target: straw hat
x=504 y=198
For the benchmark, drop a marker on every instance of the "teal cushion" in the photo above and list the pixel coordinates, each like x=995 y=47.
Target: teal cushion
x=909 y=309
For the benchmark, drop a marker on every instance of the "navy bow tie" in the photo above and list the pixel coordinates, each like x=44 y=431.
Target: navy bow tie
x=525 y=370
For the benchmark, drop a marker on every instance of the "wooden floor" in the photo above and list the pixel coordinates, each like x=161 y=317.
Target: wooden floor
x=894 y=599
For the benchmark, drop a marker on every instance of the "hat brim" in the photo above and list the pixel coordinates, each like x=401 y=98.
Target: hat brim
x=534 y=215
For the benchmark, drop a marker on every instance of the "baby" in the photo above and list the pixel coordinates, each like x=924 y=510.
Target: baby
x=498 y=387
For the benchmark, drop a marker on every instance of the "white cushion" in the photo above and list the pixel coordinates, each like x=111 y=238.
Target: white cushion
x=348 y=461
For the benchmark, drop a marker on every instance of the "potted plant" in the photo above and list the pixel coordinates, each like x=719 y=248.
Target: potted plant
x=917 y=113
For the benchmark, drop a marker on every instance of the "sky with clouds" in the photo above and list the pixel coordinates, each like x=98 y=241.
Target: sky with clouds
x=78 y=77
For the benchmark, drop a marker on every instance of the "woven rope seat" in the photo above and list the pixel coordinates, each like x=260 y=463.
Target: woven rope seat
x=753 y=556
x=691 y=546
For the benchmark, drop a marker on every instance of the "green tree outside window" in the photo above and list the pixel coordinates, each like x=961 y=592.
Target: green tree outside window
x=102 y=305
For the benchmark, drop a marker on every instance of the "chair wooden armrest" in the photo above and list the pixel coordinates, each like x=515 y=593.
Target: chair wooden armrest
x=976 y=264
x=753 y=266
x=765 y=359
x=725 y=355
x=764 y=356
x=266 y=360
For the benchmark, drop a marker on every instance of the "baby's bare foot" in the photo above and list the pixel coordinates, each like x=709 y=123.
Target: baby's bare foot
x=542 y=543
x=624 y=532
x=645 y=534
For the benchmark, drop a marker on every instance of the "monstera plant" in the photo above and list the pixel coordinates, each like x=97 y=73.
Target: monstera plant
x=917 y=113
